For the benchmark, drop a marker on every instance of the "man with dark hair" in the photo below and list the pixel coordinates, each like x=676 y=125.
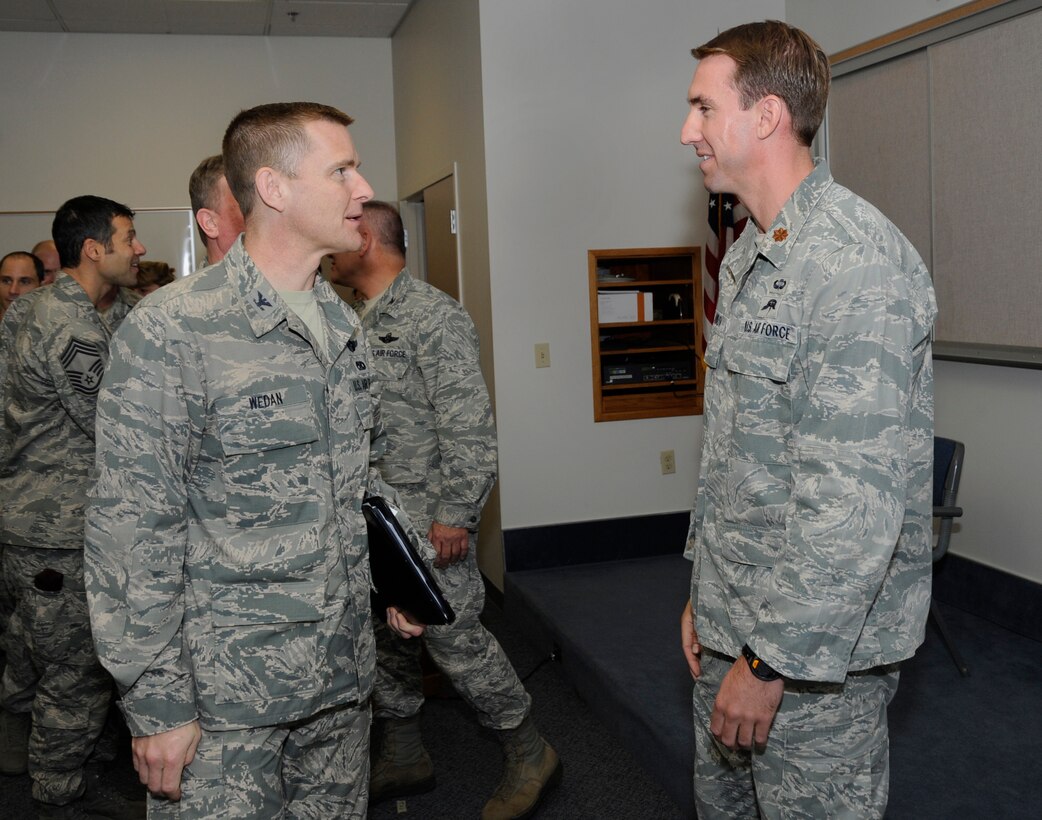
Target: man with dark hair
x=441 y=457
x=217 y=214
x=227 y=560
x=20 y=272
x=810 y=536
x=47 y=252
x=59 y=351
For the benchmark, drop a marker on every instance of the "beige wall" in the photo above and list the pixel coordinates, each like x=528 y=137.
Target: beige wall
x=439 y=122
x=129 y=116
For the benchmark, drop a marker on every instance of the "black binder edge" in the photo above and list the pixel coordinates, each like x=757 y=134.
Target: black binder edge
x=388 y=538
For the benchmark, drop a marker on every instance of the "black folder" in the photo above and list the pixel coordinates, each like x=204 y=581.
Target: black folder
x=400 y=578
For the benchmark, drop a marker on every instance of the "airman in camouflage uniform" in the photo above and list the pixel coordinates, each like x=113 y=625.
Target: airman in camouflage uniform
x=441 y=458
x=227 y=562
x=810 y=537
x=59 y=351
x=9 y=322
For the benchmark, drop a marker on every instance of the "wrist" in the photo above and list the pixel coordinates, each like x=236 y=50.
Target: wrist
x=760 y=670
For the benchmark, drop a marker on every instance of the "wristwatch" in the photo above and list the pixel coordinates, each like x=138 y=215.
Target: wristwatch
x=760 y=669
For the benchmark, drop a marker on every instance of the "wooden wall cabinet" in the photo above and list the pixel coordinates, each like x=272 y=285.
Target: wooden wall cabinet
x=649 y=367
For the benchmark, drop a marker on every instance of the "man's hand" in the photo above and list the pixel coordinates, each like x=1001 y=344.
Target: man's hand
x=745 y=707
x=399 y=621
x=689 y=641
x=451 y=543
x=160 y=759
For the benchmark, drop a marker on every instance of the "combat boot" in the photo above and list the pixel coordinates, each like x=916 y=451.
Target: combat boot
x=14 y=741
x=532 y=769
x=400 y=766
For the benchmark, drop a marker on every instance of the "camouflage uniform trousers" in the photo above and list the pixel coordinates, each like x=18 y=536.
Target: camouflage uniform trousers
x=53 y=671
x=827 y=754
x=464 y=650
x=6 y=609
x=316 y=768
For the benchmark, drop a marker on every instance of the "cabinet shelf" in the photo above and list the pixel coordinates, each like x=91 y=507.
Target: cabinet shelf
x=648 y=324
x=629 y=351
x=682 y=384
x=638 y=283
x=654 y=364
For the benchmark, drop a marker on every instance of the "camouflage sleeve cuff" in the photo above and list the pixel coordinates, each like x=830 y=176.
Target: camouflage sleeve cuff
x=464 y=516
x=153 y=715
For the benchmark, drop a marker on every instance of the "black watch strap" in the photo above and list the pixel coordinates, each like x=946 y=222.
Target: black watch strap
x=760 y=669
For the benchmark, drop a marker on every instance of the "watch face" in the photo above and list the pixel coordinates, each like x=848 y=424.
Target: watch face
x=760 y=669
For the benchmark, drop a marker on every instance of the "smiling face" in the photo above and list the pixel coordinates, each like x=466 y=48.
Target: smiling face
x=118 y=263
x=17 y=276
x=326 y=192
x=722 y=134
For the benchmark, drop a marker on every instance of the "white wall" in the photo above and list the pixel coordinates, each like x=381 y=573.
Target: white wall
x=583 y=105
x=994 y=410
x=129 y=116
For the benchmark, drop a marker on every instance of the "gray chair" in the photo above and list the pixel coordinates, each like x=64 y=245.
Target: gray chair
x=948 y=456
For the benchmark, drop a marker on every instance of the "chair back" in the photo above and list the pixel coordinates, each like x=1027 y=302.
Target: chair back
x=948 y=456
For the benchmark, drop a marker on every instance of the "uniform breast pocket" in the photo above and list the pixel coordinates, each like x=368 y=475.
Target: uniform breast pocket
x=391 y=365
x=266 y=639
x=268 y=462
x=767 y=358
x=758 y=482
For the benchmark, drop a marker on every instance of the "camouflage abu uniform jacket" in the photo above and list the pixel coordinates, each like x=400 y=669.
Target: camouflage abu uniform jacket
x=54 y=368
x=811 y=532
x=226 y=560
x=441 y=436
x=8 y=327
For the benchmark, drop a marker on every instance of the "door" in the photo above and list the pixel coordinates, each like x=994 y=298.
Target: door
x=440 y=228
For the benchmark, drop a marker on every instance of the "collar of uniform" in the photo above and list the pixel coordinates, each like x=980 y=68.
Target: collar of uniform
x=391 y=298
x=125 y=301
x=342 y=325
x=69 y=290
x=776 y=242
x=741 y=255
x=263 y=308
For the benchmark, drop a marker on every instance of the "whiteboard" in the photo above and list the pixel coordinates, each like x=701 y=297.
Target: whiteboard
x=168 y=234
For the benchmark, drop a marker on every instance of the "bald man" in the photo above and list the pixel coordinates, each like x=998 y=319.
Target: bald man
x=47 y=252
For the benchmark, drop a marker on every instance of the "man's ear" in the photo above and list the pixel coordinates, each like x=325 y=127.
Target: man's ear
x=367 y=241
x=91 y=249
x=207 y=221
x=269 y=186
x=773 y=112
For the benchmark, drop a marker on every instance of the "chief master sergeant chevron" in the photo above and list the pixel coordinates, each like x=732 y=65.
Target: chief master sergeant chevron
x=810 y=537
x=227 y=567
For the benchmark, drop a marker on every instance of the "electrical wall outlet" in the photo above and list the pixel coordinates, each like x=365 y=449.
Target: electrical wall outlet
x=668 y=460
x=542 y=354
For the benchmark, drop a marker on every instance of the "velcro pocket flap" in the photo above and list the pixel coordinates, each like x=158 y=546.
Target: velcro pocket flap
x=271 y=428
x=267 y=603
x=762 y=358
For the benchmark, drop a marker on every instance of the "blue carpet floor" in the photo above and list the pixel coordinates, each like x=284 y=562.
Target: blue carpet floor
x=960 y=747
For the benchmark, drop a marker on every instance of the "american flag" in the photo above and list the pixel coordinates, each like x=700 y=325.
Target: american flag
x=726 y=221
